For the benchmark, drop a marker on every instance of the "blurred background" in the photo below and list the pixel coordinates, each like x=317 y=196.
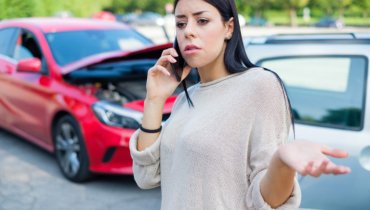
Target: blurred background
x=255 y=12
x=264 y=16
x=30 y=178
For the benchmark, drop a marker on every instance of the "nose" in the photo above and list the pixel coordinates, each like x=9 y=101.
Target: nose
x=189 y=30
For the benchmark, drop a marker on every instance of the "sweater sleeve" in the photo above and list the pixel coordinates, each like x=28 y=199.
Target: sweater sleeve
x=146 y=163
x=270 y=130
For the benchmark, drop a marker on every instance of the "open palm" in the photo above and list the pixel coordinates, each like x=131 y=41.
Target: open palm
x=310 y=158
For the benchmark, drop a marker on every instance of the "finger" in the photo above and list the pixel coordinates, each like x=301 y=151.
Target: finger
x=317 y=171
x=341 y=170
x=307 y=169
x=330 y=168
x=323 y=166
x=345 y=170
x=170 y=51
x=337 y=153
x=163 y=70
x=173 y=52
x=159 y=68
x=166 y=59
x=166 y=52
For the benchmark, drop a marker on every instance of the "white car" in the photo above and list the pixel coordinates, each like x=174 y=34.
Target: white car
x=242 y=20
x=326 y=77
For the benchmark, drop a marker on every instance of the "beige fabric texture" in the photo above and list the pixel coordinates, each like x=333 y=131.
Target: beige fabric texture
x=213 y=156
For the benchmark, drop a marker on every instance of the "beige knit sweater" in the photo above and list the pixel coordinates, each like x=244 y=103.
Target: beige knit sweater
x=213 y=156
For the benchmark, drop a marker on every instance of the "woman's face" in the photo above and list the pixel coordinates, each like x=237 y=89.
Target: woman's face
x=200 y=32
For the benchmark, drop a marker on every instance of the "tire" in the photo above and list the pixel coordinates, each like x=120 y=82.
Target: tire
x=70 y=150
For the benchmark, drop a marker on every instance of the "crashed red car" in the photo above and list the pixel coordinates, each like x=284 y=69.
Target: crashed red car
x=75 y=87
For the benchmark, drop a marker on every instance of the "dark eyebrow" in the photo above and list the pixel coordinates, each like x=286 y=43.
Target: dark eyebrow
x=194 y=14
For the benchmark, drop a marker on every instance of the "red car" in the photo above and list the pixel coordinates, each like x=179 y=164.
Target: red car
x=75 y=87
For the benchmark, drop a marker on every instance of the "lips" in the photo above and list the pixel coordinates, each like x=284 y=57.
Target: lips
x=190 y=47
x=191 y=50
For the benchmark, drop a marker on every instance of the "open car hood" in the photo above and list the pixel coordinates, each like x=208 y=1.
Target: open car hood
x=147 y=53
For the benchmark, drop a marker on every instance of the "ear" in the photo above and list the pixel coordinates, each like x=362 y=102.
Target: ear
x=229 y=25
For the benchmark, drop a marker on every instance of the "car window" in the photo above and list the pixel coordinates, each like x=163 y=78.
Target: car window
x=70 y=46
x=6 y=39
x=324 y=91
x=27 y=47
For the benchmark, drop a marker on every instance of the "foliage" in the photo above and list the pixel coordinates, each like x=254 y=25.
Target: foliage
x=289 y=9
x=40 y=8
x=16 y=8
x=119 y=6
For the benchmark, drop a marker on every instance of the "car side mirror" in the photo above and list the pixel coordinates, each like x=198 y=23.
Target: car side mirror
x=29 y=65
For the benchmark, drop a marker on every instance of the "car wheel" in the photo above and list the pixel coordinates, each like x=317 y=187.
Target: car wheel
x=70 y=150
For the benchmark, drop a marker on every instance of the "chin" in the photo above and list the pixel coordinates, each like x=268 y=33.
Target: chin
x=195 y=64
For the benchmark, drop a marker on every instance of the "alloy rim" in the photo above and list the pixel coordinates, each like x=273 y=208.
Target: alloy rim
x=68 y=149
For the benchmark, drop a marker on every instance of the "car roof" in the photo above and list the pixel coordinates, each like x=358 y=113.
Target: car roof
x=64 y=24
x=311 y=38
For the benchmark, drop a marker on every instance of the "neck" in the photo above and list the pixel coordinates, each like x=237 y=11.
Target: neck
x=213 y=70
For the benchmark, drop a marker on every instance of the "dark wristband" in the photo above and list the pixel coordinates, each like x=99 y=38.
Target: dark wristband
x=150 y=131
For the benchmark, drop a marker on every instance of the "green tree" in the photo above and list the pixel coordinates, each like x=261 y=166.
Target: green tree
x=243 y=7
x=119 y=6
x=258 y=6
x=2 y=11
x=364 y=5
x=42 y=8
x=82 y=8
x=322 y=7
x=341 y=6
x=46 y=7
x=330 y=7
x=293 y=6
x=16 y=8
x=157 y=6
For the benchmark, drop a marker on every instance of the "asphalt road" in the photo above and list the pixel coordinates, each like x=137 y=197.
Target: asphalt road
x=30 y=180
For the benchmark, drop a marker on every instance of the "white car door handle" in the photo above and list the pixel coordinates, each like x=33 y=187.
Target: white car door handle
x=365 y=158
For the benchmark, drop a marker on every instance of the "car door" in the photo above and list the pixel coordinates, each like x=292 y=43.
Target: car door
x=7 y=67
x=327 y=86
x=28 y=94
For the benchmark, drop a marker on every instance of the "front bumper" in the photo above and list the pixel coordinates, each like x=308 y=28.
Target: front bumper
x=107 y=148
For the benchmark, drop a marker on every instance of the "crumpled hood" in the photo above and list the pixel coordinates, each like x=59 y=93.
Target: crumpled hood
x=149 y=52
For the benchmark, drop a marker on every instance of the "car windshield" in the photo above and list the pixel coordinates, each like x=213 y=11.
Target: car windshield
x=71 y=46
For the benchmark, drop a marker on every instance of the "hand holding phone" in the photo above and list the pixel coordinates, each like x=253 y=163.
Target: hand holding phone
x=178 y=67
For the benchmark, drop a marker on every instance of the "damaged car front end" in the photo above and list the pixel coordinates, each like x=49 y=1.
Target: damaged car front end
x=76 y=88
x=114 y=87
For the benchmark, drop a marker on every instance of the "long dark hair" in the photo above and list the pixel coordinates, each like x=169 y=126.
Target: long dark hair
x=235 y=57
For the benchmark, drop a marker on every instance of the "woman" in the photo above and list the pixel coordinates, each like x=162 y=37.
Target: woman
x=226 y=151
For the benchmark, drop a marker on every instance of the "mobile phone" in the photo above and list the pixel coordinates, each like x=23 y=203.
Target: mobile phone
x=178 y=67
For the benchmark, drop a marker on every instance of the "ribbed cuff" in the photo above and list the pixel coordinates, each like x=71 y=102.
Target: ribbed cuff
x=148 y=156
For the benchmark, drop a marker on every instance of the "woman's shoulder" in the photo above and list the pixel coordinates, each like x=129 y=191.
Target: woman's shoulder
x=259 y=77
x=259 y=73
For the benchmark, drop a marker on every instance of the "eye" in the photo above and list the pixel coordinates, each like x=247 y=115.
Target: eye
x=180 y=25
x=203 y=21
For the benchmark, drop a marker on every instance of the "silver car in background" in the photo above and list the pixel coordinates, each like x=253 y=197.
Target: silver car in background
x=326 y=77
